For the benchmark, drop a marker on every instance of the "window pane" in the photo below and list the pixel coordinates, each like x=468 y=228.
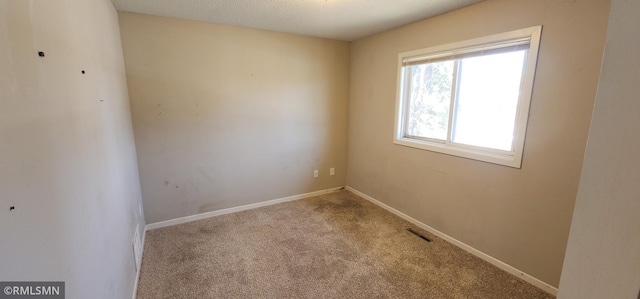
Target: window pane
x=485 y=112
x=429 y=99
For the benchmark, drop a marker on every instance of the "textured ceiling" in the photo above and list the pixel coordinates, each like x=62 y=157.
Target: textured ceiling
x=336 y=19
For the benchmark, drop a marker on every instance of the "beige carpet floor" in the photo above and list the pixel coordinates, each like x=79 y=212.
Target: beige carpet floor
x=331 y=246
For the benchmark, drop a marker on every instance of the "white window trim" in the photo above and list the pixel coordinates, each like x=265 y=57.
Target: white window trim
x=507 y=158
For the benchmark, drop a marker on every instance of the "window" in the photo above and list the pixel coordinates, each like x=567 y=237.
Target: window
x=469 y=99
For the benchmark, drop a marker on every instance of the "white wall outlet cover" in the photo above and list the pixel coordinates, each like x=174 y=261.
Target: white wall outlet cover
x=137 y=248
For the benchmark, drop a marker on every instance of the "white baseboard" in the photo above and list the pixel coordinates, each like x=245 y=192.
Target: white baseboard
x=135 y=286
x=506 y=267
x=206 y=215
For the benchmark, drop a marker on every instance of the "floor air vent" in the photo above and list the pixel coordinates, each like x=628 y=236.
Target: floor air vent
x=418 y=234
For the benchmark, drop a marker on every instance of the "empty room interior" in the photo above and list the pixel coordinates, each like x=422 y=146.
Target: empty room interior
x=321 y=148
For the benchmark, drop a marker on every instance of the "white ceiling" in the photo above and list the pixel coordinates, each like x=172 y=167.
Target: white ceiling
x=336 y=19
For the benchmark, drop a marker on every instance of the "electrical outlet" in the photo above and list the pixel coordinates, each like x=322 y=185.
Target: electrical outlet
x=315 y=173
x=332 y=171
x=136 y=243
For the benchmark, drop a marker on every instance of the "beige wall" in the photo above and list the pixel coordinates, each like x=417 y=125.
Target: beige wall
x=67 y=155
x=226 y=116
x=519 y=216
x=603 y=254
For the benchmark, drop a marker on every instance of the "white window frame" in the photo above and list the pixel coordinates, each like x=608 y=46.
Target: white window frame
x=511 y=158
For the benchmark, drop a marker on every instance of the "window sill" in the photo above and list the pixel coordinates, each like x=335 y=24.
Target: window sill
x=509 y=159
